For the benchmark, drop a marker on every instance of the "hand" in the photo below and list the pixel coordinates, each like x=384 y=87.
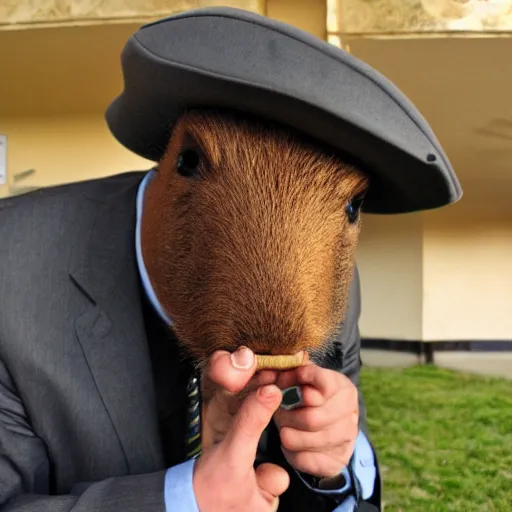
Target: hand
x=224 y=475
x=319 y=437
x=227 y=379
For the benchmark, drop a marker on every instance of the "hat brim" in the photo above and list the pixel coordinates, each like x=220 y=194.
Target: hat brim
x=232 y=59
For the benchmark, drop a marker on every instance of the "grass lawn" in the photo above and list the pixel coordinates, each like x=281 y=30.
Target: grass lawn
x=443 y=438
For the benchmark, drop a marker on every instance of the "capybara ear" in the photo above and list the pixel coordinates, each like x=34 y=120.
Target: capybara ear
x=248 y=234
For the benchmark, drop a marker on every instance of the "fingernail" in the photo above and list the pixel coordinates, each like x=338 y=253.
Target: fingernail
x=267 y=391
x=243 y=358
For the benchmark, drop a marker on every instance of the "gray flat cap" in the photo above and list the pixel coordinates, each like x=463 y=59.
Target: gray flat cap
x=233 y=59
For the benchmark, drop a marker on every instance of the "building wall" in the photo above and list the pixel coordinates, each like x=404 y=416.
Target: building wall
x=467 y=277
x=63 y=149
x=67 y=139
x=309 y=15
x=439 y=276
x=390 y=264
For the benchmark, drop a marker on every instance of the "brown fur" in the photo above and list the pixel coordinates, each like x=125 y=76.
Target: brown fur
x=257 y=250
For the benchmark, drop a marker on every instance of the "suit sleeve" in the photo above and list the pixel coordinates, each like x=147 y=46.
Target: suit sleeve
x=25 y=473
x=350 y=347
x=363 y=478
x=365 y=463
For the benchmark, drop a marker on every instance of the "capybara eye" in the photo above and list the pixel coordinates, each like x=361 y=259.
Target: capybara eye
x=354 y=208
x=188 y=163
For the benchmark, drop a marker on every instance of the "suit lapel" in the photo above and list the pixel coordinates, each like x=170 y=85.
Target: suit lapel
x=111 y=331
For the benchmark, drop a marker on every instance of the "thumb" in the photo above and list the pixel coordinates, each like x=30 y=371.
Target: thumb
x=273 y=481
x=251 y=420
x=230 y=372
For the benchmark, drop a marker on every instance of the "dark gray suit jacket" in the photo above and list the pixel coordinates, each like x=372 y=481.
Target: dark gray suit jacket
x=78 y=427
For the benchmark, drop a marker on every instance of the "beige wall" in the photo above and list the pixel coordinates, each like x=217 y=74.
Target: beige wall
x=63 y=149
x=309 y=15
x=390 y=264
x=467 y=277
x=444 y=275
x=68 y=140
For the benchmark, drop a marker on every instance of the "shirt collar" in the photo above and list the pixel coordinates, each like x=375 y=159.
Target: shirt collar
x=148 y=287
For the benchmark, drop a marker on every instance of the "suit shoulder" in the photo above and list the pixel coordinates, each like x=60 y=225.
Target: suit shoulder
x=95 y=188
x=40 y=225
x=56 y=201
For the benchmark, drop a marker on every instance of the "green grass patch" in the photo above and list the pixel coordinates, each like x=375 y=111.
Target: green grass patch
x=443 y=439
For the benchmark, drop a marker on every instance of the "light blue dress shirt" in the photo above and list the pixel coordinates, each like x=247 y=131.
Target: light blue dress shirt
x=179 y=492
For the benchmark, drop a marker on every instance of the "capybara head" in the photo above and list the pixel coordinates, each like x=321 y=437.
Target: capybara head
x=248 y=235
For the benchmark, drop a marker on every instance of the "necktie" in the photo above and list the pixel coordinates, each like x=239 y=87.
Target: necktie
x=193 y=440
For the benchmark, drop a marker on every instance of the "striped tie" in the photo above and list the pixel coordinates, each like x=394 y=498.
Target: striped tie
x=193 y=418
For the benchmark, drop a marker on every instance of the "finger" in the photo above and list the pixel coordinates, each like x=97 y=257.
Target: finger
x=328 y=439
x=308 y=419
x=318 y=464
x=272 y=479
x=263 y=378
x=327 y=382
x=316 y=386
x=221 y=406
x=312 y=397
x=312 y=418
x=287 y=379
x=255 y=413
x=230 y=372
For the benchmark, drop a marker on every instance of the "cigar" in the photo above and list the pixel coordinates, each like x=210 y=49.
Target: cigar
x=280 y=362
